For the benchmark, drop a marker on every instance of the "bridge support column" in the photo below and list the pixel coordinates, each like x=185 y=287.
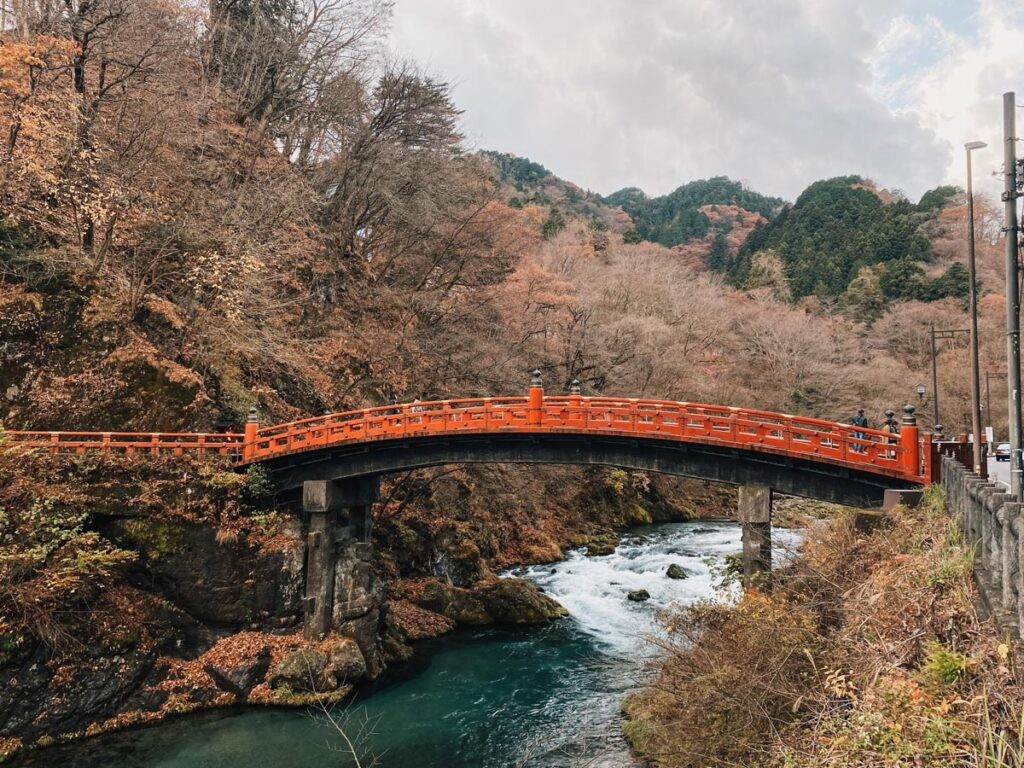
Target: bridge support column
x=321 y=500
x=340 y=513
x=755 y=513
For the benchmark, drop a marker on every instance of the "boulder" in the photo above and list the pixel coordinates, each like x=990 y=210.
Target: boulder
x=243 y=677
x=460 y=605
x=676 y=571
x=604 y=544
x=365 y=631
x=639 y=595
x=516 y=601
x=302 y=670
x=345 y=662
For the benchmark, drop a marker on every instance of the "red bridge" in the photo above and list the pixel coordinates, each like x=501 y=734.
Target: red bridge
x=658 y=435
x=336 y=461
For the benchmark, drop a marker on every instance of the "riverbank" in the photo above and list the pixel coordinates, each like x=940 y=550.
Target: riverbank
x=136 y=590
x=869 y=651
x=544 y=696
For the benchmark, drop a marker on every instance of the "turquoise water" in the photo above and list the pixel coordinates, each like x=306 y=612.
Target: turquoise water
x=540 y=696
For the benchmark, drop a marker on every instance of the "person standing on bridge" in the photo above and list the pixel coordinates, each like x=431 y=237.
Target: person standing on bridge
x=892 y=426
x=859 y=420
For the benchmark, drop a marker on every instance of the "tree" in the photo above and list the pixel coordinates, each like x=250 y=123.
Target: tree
x=553 y=224
x=864 y=298
x=718 y=258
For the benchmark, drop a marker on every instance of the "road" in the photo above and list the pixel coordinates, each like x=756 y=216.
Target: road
x=999 y=471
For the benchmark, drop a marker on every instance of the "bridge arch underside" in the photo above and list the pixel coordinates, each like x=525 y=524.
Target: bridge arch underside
x=720 y=464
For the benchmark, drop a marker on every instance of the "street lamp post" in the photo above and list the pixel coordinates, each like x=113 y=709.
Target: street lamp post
x=979 y=463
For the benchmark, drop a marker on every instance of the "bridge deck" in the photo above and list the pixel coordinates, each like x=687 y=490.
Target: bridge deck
x=857 y=448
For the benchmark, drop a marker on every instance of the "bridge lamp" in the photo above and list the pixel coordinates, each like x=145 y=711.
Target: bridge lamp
x=979 y=468
x=920 y=391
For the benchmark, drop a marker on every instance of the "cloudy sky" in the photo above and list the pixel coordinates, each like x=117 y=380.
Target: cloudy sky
x=777 y=93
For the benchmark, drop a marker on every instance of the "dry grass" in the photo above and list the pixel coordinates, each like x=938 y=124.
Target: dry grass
x=869 y=652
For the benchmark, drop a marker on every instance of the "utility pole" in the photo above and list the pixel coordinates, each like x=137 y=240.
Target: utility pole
x=979 y=462
x=988 y=396
x=1012 y=292
x=935 y=382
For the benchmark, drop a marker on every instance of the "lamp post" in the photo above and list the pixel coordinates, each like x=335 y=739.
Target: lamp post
x=979 y=463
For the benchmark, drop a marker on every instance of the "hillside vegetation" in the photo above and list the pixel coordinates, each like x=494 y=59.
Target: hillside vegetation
x=868 y=652
x=677 y=218
x=841 y=239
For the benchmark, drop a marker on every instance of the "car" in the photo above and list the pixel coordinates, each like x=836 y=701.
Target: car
x=1002 y=452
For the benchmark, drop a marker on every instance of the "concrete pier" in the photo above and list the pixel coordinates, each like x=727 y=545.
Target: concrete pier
x=755 y=513
x=340 y=515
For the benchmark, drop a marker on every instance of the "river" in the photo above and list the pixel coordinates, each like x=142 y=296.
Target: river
x=540 y=696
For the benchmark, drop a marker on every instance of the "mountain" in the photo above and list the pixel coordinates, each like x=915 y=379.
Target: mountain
x=842 y=230
x=678 y=218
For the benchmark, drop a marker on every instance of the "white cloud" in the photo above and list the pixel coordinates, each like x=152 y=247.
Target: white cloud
x=778 y=93
x=959 y=95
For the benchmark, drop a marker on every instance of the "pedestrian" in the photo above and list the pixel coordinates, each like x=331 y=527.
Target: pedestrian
x=892 y=426
x=859 y=420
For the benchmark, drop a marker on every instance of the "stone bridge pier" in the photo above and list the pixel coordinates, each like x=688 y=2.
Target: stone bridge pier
x=755 y=516
x=341 y=592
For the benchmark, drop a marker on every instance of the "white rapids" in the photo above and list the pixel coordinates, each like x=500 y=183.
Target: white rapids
x=595 y=589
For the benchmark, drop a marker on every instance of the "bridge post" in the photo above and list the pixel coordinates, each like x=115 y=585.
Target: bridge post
x=321 y=500
x=535 y=403
x=252 y=427
x=909 y=442
x=340 y=518
x=359 y=496
x=755 y=513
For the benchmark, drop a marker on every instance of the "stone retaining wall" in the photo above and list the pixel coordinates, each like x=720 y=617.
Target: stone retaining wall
x=993 y=526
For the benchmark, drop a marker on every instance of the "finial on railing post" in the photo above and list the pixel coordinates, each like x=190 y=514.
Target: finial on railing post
x=535 y=403
x=908 y=415
x=575 y=400
x=252 y=427
x=937 y=429
x=910 y=443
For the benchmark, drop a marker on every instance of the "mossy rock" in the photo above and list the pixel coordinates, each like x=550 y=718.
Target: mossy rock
x=517 y=601
x=603 y=544
x=676 y=571
x=639 y=595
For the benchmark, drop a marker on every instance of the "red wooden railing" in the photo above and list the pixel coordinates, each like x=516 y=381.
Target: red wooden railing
x=827 y=442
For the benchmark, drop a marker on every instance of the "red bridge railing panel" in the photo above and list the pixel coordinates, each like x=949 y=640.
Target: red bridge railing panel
x=748 y=429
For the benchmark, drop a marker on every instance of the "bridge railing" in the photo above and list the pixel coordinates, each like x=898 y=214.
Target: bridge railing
x=129 y=443
x=750 y=429
x=692 y=422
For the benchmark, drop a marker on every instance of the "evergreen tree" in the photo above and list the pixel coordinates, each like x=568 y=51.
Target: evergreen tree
x=554 y=224
x=718 y=259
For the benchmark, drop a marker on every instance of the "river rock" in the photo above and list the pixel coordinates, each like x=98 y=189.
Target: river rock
x=243 y=677
x=676 y=571
x=516 y=601
x=302 y=670
x=345 y=662
x=460 y=605
x=602 y=545
x=639 y=595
